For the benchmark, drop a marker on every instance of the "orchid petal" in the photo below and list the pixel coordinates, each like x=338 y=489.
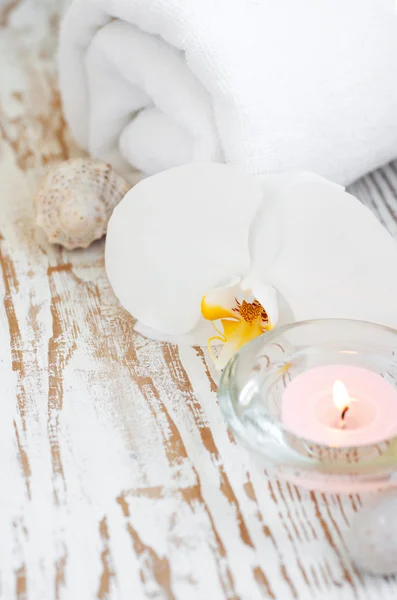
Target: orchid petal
x=267 y=296
x=177 y=235
x=274 y=184
x=334 y=259
x=266 y=234
x=198 y=337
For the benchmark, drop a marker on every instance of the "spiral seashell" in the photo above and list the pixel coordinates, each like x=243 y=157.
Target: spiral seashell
x=75 y=201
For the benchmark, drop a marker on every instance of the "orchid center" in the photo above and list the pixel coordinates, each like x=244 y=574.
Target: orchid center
x=237 y=317
x=250 y=311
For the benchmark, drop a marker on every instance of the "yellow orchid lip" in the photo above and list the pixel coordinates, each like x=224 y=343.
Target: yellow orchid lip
x=239 y=319
x=214 y=312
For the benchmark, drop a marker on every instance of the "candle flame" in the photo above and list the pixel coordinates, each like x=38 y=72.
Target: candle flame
x=342 y=399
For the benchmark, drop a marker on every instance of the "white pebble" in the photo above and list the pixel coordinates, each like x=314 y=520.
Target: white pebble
x=372 y=541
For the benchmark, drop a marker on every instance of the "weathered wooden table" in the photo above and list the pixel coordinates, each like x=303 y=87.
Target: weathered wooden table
x=118 y=476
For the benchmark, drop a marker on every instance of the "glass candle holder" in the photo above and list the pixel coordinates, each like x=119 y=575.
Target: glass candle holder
x=278 y=393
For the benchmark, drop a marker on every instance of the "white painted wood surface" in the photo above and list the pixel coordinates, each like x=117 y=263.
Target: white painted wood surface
x=119 y=479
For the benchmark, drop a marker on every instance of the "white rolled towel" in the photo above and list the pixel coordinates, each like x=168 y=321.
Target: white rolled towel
x=265 y=84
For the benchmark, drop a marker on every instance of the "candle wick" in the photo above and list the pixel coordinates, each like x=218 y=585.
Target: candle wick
x=342 y=417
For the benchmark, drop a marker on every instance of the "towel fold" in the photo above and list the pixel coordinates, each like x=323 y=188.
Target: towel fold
x=266 y=84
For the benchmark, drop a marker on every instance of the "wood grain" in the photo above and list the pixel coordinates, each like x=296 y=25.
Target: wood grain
x=119 y=477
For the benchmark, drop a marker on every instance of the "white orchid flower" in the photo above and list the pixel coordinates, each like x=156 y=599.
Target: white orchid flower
x=207 y=254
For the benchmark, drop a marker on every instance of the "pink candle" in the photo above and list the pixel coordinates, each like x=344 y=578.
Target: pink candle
x=340 y=406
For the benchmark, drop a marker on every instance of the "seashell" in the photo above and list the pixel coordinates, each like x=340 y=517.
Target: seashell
x=75 y=201
x=372 y=541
